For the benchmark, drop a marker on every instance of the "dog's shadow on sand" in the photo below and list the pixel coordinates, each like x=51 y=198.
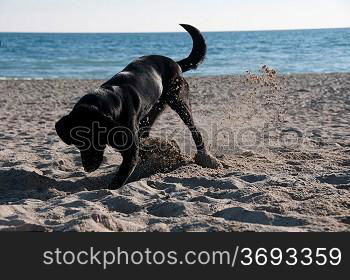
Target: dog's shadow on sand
x=18 y=183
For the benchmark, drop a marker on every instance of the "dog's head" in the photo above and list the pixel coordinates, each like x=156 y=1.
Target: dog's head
x=86 y=128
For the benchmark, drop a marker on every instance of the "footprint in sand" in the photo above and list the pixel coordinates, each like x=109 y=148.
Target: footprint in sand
x=240 y=214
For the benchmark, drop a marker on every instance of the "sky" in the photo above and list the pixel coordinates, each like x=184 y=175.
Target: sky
x=164 y=15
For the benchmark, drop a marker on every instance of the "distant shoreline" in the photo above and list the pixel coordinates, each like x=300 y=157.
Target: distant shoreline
x=187 y=76
x=162 y=32
x=100 y=55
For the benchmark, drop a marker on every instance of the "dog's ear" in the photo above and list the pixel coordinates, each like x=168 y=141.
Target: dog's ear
x=63 y=128
x=108 y=122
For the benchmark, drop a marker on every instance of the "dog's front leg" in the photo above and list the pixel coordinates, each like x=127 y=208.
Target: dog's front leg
x=130 y=160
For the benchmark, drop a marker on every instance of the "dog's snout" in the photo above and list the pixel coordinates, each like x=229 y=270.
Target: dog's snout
x=91 y=160
x=90 y=168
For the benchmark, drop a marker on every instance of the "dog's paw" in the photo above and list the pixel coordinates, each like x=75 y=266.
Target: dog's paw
x=114 y=186
x=205 y=159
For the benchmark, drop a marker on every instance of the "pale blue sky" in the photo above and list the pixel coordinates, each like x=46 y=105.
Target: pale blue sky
x=163 y=15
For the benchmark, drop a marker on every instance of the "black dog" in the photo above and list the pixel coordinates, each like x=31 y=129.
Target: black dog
x=128 y=104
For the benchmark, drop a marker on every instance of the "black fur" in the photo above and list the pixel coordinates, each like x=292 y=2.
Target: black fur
x=132 y=100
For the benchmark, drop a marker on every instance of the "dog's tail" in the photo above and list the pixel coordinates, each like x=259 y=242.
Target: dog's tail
x=198 y=52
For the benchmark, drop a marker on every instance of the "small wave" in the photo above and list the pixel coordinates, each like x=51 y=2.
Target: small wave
x=21 y=78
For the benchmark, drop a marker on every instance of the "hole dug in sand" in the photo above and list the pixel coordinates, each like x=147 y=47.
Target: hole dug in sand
x=158 y=156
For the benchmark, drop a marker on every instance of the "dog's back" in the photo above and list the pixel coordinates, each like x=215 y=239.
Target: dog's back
x=148 y=67
x=151 y=72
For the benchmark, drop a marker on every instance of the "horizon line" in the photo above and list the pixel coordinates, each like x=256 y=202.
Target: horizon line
x=152 y=32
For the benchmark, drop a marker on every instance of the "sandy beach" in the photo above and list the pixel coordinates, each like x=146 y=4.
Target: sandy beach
x=284 y=142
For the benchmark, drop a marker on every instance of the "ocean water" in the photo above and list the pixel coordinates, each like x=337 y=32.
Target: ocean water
x=101 y=55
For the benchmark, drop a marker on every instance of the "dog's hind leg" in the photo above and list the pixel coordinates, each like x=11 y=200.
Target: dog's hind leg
x=176 y=101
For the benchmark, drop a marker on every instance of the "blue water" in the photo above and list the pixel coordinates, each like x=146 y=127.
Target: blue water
x=45 y=55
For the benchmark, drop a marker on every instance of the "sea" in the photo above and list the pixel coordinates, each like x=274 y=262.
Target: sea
x=101 y=55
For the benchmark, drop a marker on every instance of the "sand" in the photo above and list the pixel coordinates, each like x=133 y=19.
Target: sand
x=283 y=141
